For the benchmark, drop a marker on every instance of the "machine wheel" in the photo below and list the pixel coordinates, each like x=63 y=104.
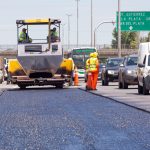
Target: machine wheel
x=125 y=85
x=22 y=86
x=140 y=89
x=145 y=91
x=59 y=86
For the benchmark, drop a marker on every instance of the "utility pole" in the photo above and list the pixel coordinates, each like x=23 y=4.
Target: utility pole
x=91 y=23
x=63 y=36
x=119 y=31
x=77 y=22
x=69 y=15
x=63 y=33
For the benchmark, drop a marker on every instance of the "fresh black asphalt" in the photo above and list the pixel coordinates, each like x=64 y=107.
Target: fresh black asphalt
x=69 y=119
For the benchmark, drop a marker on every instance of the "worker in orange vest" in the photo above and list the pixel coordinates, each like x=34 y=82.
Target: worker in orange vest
x=94 y=69
x=88 y=74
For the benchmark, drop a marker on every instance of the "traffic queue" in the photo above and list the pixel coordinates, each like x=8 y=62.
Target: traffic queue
x=130 y=70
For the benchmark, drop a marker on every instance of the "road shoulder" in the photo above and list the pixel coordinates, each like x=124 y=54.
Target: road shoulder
x=128 y=97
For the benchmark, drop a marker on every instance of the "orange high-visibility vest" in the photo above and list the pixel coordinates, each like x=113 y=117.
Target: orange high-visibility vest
x=93 y=64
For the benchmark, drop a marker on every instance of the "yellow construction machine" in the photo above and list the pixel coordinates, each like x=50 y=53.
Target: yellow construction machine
x=40 y=61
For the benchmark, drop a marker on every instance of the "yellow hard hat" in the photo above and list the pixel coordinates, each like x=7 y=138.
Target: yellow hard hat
x=91 y=54
x=95 y=54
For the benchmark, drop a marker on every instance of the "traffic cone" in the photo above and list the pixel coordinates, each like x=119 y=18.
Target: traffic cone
x=89 y=82
x=76 y=79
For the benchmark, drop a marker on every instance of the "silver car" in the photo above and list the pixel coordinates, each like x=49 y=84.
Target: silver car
x=128 y=72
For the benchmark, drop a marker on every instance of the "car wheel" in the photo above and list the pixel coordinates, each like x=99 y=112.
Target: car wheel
x=119 y=82
x=125 y=85
x=103 y=82
x=120 y=85
x=140 y=89
x=145 y=91
x=106 y=82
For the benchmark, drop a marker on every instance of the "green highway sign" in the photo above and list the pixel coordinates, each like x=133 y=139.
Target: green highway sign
x=134 y=21
x=75 y=51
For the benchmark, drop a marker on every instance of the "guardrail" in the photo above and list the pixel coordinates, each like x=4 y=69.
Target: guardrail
x=114 y=52
x=98 y=47
x=104 y=50
x=8 y=47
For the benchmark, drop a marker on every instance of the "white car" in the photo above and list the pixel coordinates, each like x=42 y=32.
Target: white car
x=143 y=71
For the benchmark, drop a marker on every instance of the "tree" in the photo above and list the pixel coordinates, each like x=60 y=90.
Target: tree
x=128 y=39
x=149 y=37
x=145 y=39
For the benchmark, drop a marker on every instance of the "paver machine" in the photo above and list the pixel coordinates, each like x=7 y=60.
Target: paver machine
x=39 y=60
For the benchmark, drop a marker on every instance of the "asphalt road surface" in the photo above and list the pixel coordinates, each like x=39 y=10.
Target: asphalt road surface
x=69 y=119
x=128 y=96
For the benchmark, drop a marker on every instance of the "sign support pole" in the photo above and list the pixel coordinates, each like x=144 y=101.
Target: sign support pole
x=119 y=31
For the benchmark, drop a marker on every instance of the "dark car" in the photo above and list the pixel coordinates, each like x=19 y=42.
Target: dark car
x=128 y=72
x=110 y=71
x=100 y=71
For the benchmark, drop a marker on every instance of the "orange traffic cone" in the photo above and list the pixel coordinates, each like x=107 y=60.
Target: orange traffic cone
x=76 y=79
x=89 y=82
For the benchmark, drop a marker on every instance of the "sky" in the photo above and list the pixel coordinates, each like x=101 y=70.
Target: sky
x=103 y=10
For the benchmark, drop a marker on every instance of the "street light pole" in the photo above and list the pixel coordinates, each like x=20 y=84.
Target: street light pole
x=77 y=22
x=119 y=31
x=91 y=23
x=98 y=27
x=63 y=34
x=69 y=15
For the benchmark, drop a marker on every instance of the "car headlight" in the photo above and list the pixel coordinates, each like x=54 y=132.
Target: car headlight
x=129 y=71
x=111 y=72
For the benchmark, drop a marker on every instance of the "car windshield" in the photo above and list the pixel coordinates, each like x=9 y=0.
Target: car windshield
x=132 y=61
x=149 y=60
x=114 y=62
